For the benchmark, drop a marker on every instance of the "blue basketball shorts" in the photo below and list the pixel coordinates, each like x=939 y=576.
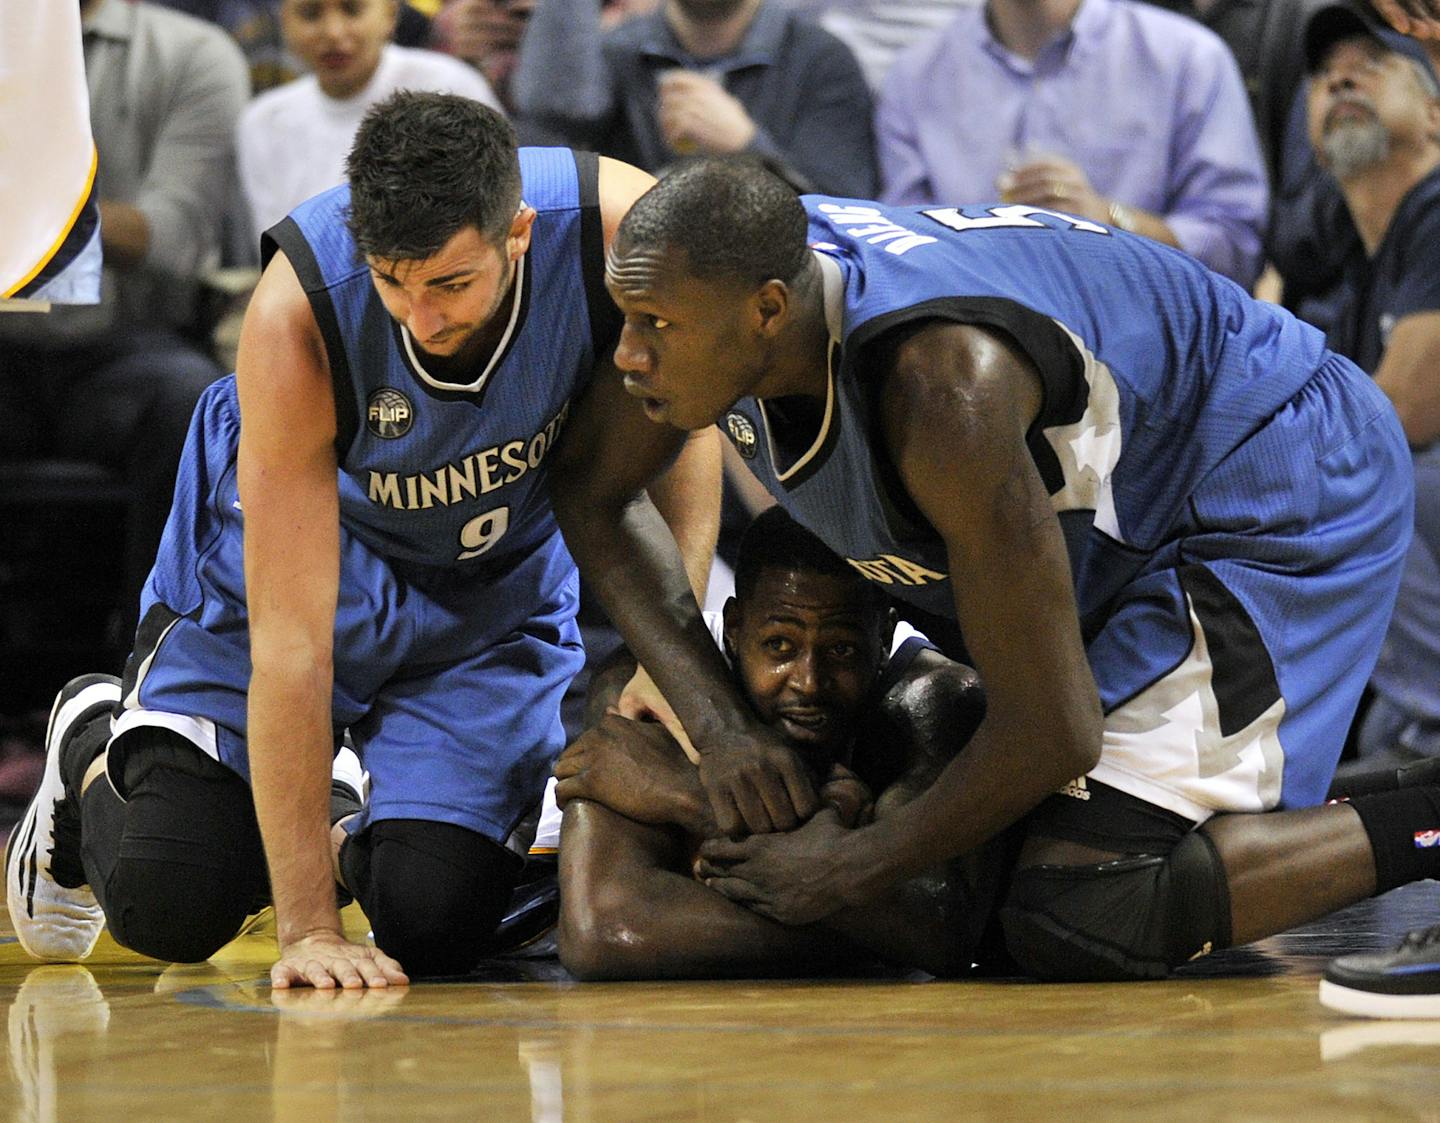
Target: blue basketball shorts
x=1231 y=664
x=448 y=683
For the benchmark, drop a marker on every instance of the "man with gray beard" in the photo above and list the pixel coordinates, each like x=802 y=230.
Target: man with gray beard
x=1374 y=122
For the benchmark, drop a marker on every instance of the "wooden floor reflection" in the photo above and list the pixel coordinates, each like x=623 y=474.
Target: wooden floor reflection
x=1241 y=1036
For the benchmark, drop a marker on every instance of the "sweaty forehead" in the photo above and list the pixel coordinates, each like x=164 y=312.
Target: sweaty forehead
x=787 y=592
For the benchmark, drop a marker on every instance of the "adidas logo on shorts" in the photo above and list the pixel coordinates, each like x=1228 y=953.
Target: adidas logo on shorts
x=1075 y=789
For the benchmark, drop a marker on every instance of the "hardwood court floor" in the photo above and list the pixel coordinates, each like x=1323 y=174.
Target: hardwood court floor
x=1240 y=1037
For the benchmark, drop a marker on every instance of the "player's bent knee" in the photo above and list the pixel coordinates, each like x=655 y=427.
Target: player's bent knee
x=433 y=892
x=188 y=866
x=1133 y=918
x=177 y=914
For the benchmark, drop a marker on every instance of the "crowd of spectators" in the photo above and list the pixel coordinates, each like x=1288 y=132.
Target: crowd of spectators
x=1208 y=126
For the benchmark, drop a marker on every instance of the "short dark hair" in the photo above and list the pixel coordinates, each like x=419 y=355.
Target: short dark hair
x=732 y=218
x=774 y=540
x=423 y=167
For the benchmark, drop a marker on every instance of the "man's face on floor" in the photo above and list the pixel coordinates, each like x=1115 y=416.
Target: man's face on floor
x=808 y=648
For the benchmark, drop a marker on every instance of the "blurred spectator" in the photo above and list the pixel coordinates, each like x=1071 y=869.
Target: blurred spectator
x=713 y=77
x=486 y=34
x=255 y=25
x=1265 y=38
x=878 y=30
x=293 y=140
x=115 y=383
x=1111 y=109
x=1374 y=122
x=1312 y=235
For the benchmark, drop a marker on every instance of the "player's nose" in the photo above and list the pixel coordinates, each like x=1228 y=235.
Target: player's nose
x=630 y=353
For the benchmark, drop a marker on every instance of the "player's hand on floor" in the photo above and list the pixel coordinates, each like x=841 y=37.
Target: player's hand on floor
x=326 y=959
x=794 y=878
x=635 y=768
x=757 y=785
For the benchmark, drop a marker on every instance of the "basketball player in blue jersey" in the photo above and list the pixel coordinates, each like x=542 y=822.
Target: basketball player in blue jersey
x=362 y=540
x=1167 y=522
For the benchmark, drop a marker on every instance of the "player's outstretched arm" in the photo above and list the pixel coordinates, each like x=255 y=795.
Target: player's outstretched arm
x=607 y=455
x=958 y=404
x=287 y=480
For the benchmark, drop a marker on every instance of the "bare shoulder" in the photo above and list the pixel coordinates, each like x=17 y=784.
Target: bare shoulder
x=953 y=385
x=282 y=371
x=279 y=302
x=620 y=185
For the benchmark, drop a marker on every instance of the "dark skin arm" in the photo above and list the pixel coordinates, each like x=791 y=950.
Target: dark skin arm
x=629 y=909
x=635 y=911
x=632 y=767
x=609 y=453
x=934 y=709
x=635 y=769
x=957 y=403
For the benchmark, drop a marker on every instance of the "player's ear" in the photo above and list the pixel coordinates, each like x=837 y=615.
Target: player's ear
x=517 y=241
x=731 y=615
x=772 y=307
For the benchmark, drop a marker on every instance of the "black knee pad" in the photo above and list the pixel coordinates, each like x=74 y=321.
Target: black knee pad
x=1133 y=918
x=182 y=863
x=433 y=892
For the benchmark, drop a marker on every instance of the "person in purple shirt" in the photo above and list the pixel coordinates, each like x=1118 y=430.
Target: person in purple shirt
x=1109 y=109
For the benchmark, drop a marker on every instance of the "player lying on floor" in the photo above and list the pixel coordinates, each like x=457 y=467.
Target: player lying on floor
x=806 y=640
x=810 y=643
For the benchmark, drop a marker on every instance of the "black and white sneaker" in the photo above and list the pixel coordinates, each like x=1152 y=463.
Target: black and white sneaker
x=55 y=915
x=1404 y=983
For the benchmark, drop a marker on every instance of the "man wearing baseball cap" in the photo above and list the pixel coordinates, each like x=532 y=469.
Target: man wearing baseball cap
x=1374 y=124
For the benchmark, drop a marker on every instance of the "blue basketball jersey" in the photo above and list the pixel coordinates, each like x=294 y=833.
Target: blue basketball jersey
x=1234 y=497
x=449 y=474
x=454 y=634
x=1154 y=369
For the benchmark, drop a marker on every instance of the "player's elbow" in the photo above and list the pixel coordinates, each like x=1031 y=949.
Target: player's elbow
x=1085 y=735
x=600 y=935
x=1075 y=735
x=585 y=507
